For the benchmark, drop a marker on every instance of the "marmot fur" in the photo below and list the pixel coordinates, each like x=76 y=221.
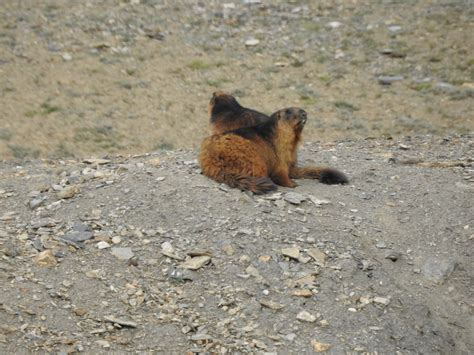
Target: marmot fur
x=260 y=157
x=226 y=114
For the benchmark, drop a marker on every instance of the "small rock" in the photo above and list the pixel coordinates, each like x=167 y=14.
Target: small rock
x=251 y=42
x=116 y=239
x=168 y=250
x=66 y=56
x=305 y=316
x=103 y=245
x=36 y=202
x=122 y=322
x=437 y=270
x=334 y=24
x=228 y=249
x=252 y=271
x=78 y=236
x=381 y=244
x=389 y=80
x=294 y=198
x=382 y=300
x=394 y=28
x=302 y=293
x=46 y=258
x=68 y=192
x=318 y=202
x=317 y=255
x=320 y=347
x=197 y=262
x=292 y=252
x=122 y=253
x=403 y=147
x=271 y=305
x=80 y=311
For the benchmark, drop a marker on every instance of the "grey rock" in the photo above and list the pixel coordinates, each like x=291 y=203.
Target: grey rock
x=36 y=202
x=75 y=236
x=388 y=80
x=122 y=253
x=437 y=270
x=294 y=198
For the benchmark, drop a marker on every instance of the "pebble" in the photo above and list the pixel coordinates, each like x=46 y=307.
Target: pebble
x=302 y=293
x=320 y=347
x=294 y=198
x=122 y=253
x=116 y=240
x=437 y=270
x=36 y=202
x=252 y=42
x=66 y=56
x=46 y=258
x=103 y=245
x=68 y=192
x=334 y=24
x=272 y=305
x=382 y=300
x=305 y=316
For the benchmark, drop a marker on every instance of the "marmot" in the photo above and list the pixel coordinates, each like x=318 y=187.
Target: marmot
x=260 y=157
x=226 y=114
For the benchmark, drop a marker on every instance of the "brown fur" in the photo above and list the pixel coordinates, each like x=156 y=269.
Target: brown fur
x=260 y=157
x=226 y=114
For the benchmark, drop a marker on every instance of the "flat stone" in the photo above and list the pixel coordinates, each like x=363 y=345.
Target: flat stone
x=292 y=252
x=197 y=262
x=96 y=161
x=382 y=300
x=78 y=236
x=122 y=253
x=270 y=304
x=302 y=293
x=294 y=198
x=122 y=322
x=305 y=316
x=68 y=192
x=251 y=42
x=103 y=245
x=317 y=255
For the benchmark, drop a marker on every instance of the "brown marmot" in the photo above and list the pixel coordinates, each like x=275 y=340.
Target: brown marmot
x=260 y=157
x=226 y=114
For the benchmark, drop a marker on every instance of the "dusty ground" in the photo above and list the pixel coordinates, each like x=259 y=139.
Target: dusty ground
x=93 y=255
x=96 y=77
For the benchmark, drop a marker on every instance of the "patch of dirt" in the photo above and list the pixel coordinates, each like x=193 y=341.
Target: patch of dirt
x=81 y=78
x=94 y=255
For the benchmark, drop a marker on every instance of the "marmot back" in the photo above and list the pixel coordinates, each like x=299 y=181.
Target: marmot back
x=226 y=114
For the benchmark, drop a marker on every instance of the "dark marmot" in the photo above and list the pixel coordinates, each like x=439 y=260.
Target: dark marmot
x=226 y=114
x=260 y=157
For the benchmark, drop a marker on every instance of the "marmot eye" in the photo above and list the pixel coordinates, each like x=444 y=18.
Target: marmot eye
x=303 y=114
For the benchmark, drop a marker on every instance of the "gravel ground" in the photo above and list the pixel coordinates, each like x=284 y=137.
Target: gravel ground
x=143 y=253
x=81 y=78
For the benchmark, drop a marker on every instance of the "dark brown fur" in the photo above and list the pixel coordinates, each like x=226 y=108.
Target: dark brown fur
x=226 y=114
x=260 y=157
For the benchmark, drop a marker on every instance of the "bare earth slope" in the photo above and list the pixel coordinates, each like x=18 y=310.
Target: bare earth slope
x=79 y=78
x=383 y=264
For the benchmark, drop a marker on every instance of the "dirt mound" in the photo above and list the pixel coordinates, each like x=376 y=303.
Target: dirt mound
x=145 y=254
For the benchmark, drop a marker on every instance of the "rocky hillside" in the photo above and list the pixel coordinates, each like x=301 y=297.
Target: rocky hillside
x=142 y=253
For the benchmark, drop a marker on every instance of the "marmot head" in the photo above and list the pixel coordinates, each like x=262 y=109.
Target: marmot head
x=221 y=103
x=294 y=116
